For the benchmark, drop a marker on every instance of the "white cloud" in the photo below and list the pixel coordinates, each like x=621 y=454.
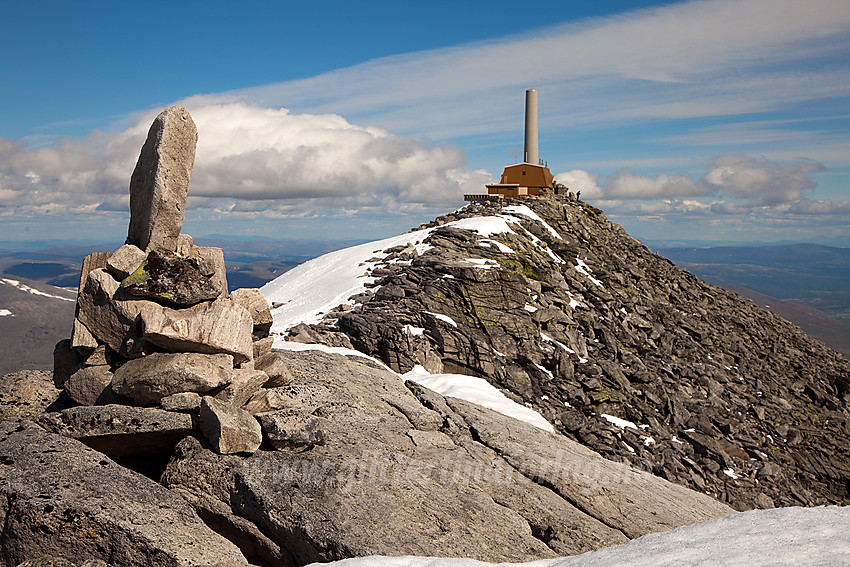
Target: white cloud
x=580 y=180
x=626 y=185
x=761 y=181
x=249 y=153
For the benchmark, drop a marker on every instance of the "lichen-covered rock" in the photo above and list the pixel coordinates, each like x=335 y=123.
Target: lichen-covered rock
x=171 y=279
x=125 y=261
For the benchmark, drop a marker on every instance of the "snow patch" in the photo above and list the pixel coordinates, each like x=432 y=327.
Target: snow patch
x=618 y=421
x=482 y=263
x=282 y=344
x=781 y=537
x=498 y=245
x=413 y=331
x=477 y=391
x=315 y=287
x=526 y=212
x=24 y=287
x=441 y=317
x=583 y=268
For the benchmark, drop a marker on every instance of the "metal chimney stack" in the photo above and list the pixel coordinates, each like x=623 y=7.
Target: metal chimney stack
x=531 y=153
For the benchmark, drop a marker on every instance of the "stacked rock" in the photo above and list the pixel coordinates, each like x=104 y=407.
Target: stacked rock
x=155 y=325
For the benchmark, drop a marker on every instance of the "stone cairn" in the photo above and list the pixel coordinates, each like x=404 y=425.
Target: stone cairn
x=155 y=326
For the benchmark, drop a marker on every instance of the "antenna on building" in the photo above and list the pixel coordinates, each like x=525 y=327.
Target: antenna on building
x=531 y=151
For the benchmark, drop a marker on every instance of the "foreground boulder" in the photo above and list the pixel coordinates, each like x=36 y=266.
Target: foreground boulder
x=62 y=499
x=370 y=466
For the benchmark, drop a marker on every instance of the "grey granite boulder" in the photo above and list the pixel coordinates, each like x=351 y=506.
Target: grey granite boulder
x=27 y=393
x=125 y=261
x=244 y=384
x=255 y=302
x=159 y=185
x=229 y=429
x=219 y=326
x=148 y=379
x=62 y=499
x=118 y=430
x=184 y=401
x=91 y=385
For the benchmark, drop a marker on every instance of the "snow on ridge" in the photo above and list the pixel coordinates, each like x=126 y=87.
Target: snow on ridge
x=477 y=391
x=24 y=287
x=527 y=212
x=313 y=288
x=585 y=269
x=441 y=317
x=485 y=226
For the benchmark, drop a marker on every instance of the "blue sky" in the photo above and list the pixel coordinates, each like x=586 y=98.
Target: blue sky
x=713 y=120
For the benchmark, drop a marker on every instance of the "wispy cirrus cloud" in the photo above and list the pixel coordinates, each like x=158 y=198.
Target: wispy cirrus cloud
x=703 y=58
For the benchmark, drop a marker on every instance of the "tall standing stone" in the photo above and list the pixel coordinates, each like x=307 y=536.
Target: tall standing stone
x=160 y=183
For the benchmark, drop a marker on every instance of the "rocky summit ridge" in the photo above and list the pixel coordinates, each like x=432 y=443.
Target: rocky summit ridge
x=617 y=347
x=170 y=433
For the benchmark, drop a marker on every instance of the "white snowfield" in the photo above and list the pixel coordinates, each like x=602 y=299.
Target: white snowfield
x=24 y=287
x=792 y=537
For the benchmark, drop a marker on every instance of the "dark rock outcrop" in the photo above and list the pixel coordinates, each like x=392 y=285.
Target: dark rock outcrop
x=578 y=319
x=62 y=499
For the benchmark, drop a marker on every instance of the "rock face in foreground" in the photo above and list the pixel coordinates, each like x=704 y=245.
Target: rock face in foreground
x=581 y=321
x=402 y=470
x=60 y=498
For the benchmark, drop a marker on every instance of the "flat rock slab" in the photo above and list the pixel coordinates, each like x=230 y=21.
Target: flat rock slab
x=63 y=499
x=159 y=185
x=171 y=279
x=220 y=326
x=119 y=431
x=402 y=472
x=148 y=379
